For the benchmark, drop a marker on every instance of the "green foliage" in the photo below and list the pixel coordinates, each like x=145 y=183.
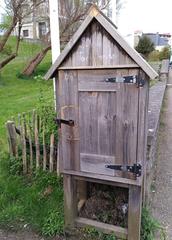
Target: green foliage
x=33 y=201
x=145 y=46
x=7 y=50
x=150 y=227
x=165 y=53
x=15 y=165
x=46 y=112
x=154 y=56
x=21 y=94
x=5 y=22
x=94 y=234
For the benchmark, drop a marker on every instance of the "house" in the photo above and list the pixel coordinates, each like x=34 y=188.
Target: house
x=36 y=24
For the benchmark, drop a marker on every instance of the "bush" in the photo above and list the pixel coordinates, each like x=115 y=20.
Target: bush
x=165 y=53
x=154 y=56
x=145 y=46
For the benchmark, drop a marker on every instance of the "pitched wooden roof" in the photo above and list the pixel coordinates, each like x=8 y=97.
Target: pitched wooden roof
x=95 y=13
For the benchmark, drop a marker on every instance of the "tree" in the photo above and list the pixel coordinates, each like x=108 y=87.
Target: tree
x=145 y=46
x=71 y=15
x=165 y=53
x=16 y=11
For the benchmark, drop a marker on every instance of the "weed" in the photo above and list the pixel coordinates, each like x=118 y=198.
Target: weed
x=35 y=201
x=95 y=234
x=150 y=226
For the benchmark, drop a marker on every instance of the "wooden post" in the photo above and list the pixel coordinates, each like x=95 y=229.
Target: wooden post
x=37 y=143
x=23 y=140
x=134 y=212
x=12 y=138
x=44 y=150
x=51 y=152
x=58 y=159
x=70 y=201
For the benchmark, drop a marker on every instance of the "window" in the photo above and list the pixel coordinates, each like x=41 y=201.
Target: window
x=42 y=29
x=26 y=33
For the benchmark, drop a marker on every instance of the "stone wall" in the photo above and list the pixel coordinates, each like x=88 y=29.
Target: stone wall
x=156 y=96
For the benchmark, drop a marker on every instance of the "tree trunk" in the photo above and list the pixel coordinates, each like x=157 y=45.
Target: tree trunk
x=7 y=60
x=6 y=35
x=36 y=61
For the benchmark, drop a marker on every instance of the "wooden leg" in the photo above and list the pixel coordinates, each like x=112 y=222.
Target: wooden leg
x=70 y=201
x=134 y=212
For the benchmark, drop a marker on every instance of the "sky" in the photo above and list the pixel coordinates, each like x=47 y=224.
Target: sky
x=146 y=15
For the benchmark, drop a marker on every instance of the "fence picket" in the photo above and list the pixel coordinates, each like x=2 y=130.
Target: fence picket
x=25 y=133
x=51 y=167
x=37 y=145
x=12 y=139
x=23 y=139
x=44 y=150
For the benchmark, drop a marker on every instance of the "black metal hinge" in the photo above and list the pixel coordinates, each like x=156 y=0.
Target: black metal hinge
x=62 y=121
x=127 y=79
x=135 y=168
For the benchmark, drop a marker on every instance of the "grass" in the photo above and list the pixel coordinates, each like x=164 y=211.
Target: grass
x=30 y=202
x=19 y=94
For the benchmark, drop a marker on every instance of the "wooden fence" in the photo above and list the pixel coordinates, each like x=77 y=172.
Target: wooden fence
x=28 y=140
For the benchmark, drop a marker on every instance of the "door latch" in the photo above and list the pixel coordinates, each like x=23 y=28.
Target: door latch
x=127 y=79
x=60 y=121
x=136 y=169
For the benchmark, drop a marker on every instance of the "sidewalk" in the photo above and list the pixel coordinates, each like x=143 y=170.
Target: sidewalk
x=162 y=195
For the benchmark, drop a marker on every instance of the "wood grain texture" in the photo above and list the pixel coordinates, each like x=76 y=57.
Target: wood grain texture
x=134 y=212
x=70 y=201
x=105 y=178
x=105 y=45
x=69 y=110
x=51 y=163
x=106 y=228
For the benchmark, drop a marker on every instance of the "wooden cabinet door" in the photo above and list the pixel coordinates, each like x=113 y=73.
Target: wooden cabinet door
x=106 y=122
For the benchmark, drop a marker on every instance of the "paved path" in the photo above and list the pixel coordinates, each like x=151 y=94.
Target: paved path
x=162 y=197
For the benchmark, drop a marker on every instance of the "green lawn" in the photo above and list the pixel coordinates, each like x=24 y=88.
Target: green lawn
x=19 y=94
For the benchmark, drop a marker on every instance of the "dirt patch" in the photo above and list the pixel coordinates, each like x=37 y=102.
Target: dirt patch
x=106 y=204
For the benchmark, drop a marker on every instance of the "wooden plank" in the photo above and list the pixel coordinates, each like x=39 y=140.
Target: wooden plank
x=130 y=51
x=69 y=110
x=101 y=181
x=137 y=182
x=12 y=138
x=58 y=158
x=30 y=144
x=115 y=35
x=134 y=212
x=70 y=201
x=99 y=67
x=96 y=87
x=37 y=145
x=69 y=46
x=106 y=228
x=51 y=165
x=95 y=163
x=44 y=150
x=126 y=124
x=97 y=39
x=23 y=139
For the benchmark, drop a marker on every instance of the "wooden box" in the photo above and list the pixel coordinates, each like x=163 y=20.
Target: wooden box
x=102 y=85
